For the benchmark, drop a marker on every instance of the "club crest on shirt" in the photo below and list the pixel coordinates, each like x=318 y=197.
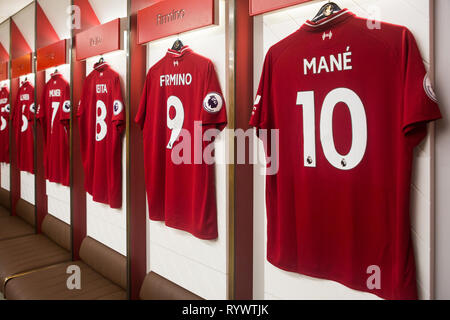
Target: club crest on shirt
x=213 y=102
x=328 y=35
x=429 y=88
x=118 y=107
x=66 y=106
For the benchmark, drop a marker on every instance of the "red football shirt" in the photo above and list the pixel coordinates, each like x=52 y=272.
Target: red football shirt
x=54 y=115
x=182 y=88
x=4 y=125
x=23 y=119
x=102 y=118
x=350 y=105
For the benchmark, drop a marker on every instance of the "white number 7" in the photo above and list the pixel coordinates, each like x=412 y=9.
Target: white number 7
x=359 y=128
x=55 y=107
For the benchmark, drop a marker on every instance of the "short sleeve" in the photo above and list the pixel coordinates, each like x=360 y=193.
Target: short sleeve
x=66 y=106
x=260 y=114
x=84 y=97
x=214 y=108
x=17 y=107
x=118 y=107
x=419 y=100
x=30 y=112
x=142 y=111
x=40 y=113
x=7 y=111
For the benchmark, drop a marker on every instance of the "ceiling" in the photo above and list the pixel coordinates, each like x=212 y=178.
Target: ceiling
x=9 y=8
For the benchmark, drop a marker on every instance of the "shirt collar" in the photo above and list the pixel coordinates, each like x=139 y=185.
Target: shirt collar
x=101 y=66
x=329 y=21
x=178 y=54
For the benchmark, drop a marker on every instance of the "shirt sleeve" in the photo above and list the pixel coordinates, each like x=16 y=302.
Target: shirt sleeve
x=142 y=111
x=85 y=95
x=118 y=117
x=260 y=118
x=419 y=100
x=17 y=108
x=214 y=110
x=66 y=107
x=7 y=111
x=30 y=112
x=7 y=108
x=41 y=114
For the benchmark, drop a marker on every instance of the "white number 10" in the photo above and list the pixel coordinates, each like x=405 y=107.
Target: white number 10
x=359 y=128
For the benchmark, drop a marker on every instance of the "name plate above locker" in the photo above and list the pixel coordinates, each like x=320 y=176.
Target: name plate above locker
x=52 y=55
x=263 y=6
x=4 y=70
x=98 y=40
x=171 y=17
x=21 y=66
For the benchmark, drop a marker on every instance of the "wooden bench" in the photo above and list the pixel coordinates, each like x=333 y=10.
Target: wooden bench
x=35 y=251
x=103 y=277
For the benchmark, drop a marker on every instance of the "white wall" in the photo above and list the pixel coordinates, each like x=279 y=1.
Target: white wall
x=273 y=283
x=56 y=12
x=58 y=196
x=25 y=22
x=5 y=35
x=109 y=10
x=27 y=186
x=442 y=50
x=199 y=266
x=104 y=224
x=5 y=167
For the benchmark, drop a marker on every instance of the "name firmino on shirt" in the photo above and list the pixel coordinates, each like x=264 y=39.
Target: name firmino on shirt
x=180 y=79
x=55 y=93
x=4 y=100
x=332 y=63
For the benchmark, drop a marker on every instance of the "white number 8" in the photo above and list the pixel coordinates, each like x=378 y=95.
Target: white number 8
x=100 y=121
x=359 y=128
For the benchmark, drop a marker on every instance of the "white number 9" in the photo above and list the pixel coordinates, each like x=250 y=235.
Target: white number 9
x=175 y=124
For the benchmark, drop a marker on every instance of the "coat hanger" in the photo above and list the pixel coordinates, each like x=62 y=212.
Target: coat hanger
x=177 y=45
x=326 y=10
x=101 y=60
